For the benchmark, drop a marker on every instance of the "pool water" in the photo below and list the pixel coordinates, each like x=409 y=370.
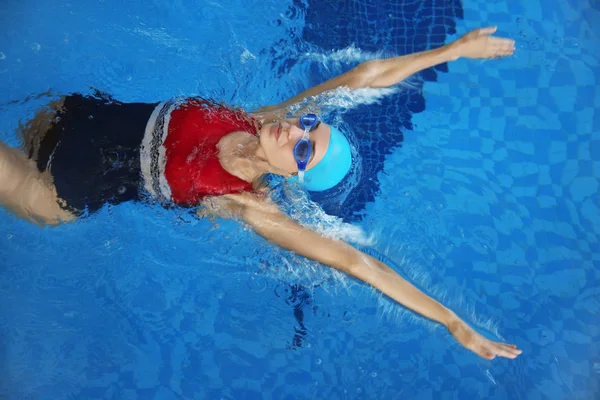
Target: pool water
x=480 y=184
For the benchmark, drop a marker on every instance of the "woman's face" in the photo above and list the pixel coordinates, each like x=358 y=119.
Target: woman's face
x=278 y=140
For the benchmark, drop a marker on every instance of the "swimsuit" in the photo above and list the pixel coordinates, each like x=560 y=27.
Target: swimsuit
x=100 y=151
x=180 y=160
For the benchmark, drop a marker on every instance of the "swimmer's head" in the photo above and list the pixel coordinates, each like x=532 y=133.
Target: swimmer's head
x=329 y=162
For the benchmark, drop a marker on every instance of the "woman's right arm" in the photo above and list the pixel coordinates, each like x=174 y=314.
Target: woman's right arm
x=387 y=72
x=269 y=222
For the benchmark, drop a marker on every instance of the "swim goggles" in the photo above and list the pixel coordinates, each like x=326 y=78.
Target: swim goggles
x=303 y=148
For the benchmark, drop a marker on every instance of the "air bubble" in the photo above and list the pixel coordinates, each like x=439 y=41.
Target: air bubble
x=535 y=44
x=257 y=284
x=36 y=47
x=373 y=374
x=550 y=65
x=2 y=56
x=347 y=316
x=571 y=42
x=319 y=361
x=429 y=254
x=281 y=291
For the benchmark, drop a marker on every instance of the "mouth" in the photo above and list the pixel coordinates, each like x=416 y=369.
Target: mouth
x=276 y=131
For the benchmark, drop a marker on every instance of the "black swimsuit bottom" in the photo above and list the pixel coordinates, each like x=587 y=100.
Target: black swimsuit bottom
x=93 y=151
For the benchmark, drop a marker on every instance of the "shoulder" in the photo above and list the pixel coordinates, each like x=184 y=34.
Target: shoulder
x=234 y=139
x=229 y=148
x=231 y=156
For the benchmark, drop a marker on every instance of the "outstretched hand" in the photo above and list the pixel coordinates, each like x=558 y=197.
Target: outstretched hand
x=481 y=346
x=480 y=44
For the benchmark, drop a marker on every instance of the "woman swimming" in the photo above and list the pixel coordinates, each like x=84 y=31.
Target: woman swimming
x=85 y=152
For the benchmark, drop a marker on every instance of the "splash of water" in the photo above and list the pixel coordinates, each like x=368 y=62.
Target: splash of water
x=295 y=201
x=350 y=54
x=343 y=99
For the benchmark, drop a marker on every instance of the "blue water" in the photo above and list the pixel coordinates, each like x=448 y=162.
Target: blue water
x=480 y=185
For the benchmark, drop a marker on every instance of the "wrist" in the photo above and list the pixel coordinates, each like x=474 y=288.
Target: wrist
x=451 y=321
x=453 y=51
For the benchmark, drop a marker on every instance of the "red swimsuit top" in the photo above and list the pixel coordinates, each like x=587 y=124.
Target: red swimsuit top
x=180 y=158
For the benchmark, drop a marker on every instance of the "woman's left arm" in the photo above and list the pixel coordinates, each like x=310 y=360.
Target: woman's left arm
x=269 y=222
x=387 y=72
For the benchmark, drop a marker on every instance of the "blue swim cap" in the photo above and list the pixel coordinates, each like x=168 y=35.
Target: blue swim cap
x=334 y=165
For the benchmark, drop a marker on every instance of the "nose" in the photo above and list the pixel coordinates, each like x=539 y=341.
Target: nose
x=295 y=133
x=290 y=134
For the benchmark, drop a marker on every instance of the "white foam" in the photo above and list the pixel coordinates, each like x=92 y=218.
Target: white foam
x=310 y=214
x=334 y=228
x=350 y=54
x=344 y=97
x=159 y=36
x=246 y=56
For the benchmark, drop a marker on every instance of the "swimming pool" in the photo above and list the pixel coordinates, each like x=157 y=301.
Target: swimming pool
x=482 y=187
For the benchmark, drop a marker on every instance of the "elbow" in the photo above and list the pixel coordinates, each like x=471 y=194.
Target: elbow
x=352 y=262
x=365 y=74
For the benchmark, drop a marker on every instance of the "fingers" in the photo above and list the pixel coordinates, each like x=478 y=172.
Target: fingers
x=501 y=47
x=487 y=31
x=502 y=43
x=487 y=352
x=507 y=45
x=506 y=350
x=506 y=353
x=490 y=350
